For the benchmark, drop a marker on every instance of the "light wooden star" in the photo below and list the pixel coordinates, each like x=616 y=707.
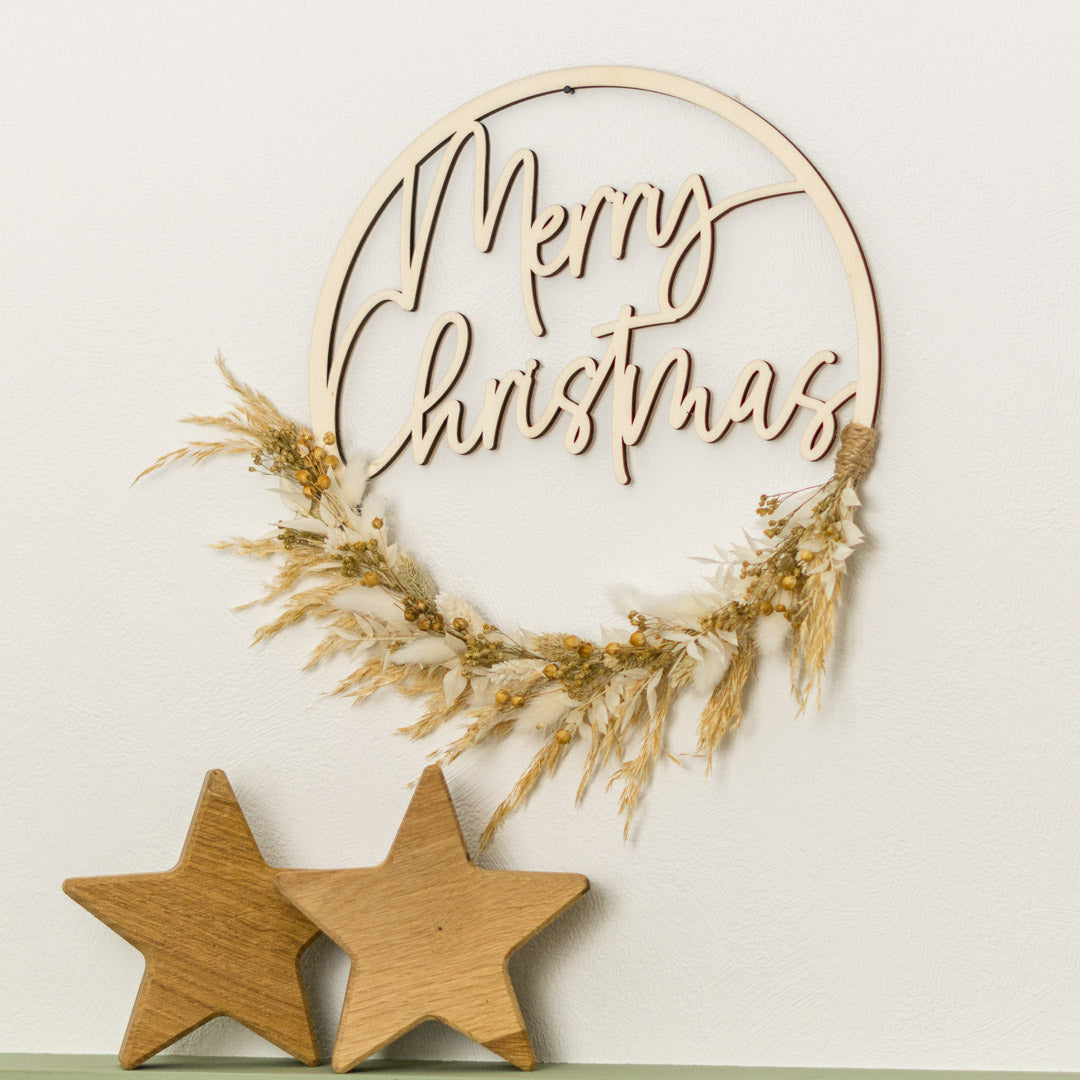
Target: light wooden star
x=218 y=937
x=429 y=934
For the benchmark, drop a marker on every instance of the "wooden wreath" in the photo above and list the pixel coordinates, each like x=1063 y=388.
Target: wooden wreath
x=378 y=606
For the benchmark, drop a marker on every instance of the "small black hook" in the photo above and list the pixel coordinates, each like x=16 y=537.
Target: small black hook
x=567 y=89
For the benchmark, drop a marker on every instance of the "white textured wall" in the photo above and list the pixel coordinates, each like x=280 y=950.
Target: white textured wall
x=892 y=881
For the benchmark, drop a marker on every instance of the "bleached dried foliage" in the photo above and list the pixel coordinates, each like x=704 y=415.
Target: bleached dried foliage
x=380 y=608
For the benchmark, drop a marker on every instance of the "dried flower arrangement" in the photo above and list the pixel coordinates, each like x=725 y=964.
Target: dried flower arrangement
x=378 y=606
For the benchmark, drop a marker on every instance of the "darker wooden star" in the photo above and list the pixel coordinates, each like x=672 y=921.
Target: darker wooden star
x=430 y=934
x=218 y=937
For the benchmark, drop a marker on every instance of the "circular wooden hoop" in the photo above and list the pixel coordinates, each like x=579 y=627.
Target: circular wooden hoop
x=328 y=361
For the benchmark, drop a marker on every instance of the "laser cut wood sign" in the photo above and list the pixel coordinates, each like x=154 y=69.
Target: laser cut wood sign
x=342 y=566
x=560 y=238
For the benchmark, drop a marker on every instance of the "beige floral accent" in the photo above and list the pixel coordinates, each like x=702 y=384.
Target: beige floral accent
x=337 y=567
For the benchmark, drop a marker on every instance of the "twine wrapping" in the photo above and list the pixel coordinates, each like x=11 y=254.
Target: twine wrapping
x=856 y=453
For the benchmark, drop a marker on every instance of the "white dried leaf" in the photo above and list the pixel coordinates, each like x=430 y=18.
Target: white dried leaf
x=547 y=708
x=852 y=533
x=651 y=688
x=598 y=714
x=428 y=651
x=352 y=483
x=453 y=684
x=709 y=672
x=295 y=502
x=372 y=602
x=374 y=506
x=685 y=608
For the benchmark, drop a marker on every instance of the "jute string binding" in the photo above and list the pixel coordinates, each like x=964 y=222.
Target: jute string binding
x=856 y=453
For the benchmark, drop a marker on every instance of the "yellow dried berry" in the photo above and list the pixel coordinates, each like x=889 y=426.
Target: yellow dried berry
x=370 y=579
x=562 y=736
x=329 y=439
x=585 y=649
x=322 y=482
x=806 y=556
x=637 y=639
x=310 y=491
x=461 y=625
x=517 y=700
x=502 y=697
x=376 y=523
x=552 y=671
x=789 y=581
x=765 y=608
x=571 y=642
x=424 y=623
x=332 y=461
x=612 y=648
x=303 y=476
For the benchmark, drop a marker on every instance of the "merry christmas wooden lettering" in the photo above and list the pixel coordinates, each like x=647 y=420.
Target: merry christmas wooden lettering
x=560 y=238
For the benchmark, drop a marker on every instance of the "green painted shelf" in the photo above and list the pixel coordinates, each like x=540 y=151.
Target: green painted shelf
x=93 y=1067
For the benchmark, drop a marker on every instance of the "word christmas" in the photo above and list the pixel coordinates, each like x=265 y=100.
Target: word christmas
x=685 y=230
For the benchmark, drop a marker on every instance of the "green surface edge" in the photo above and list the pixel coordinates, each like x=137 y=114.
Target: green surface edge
x=177 y=1067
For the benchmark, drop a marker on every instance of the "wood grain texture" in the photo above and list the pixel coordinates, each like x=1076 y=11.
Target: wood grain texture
x=430 y=934
x=218 y=938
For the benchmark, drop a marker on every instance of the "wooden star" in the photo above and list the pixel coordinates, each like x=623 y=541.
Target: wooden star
x=218 y=938
x=429 y=934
